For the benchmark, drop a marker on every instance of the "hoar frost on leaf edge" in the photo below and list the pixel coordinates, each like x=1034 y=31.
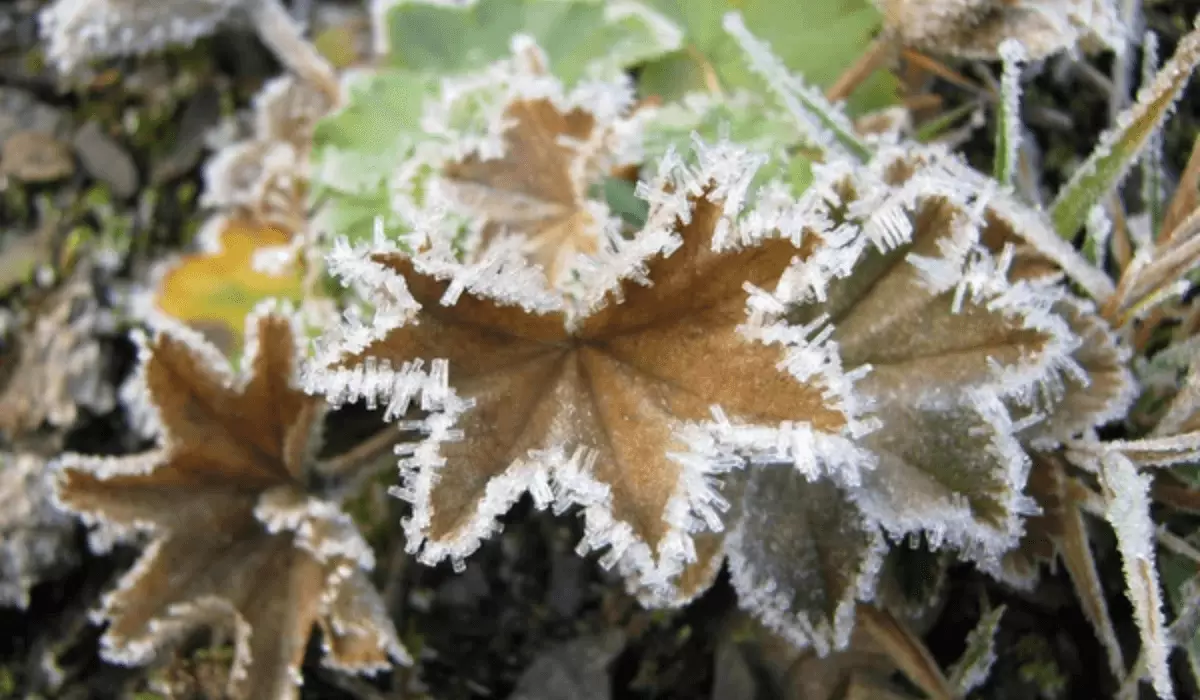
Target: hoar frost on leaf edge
x=723 y=172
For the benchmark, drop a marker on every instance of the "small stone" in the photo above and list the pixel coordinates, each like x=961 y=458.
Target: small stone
x=202 y=113
x=106 y=160
x=34 y=156
x=21 y=111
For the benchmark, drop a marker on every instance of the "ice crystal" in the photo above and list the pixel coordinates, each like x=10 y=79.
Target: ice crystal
x=776 y=337
x=978 y=28
x=238 y=540
x=36 y=537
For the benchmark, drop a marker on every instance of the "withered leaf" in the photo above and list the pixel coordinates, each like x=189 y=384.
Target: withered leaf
x=592 y=396
x=713 y=340
x=237 y=539
x=539 y=187
x=535 y=153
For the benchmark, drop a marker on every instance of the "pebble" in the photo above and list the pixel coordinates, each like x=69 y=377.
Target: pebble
x=34 y=156
x=106 y=160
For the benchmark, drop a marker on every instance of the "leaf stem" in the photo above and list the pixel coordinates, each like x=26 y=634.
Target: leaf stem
x=363 y=453
x=282 y=35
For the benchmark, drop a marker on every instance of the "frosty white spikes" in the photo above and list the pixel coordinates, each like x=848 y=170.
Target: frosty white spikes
x=237 y=540
x=776 y=339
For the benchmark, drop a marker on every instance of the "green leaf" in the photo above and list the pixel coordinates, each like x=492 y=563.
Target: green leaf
x=380 y=109
x=1121 y=146
x=356 y=150
x=580 y=37
x=742 y=118
x=622 y=199
x=816 y=39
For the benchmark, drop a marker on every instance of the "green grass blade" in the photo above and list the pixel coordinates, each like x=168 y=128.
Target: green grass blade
x=1120 y=147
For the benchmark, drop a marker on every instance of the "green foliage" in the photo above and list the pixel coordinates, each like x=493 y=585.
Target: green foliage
x=1122 y=146
x=816 y=39
x=356 y=149
x=580 y=37
x=742 y=118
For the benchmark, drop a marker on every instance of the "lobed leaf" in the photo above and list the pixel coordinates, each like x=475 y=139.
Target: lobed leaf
x=582 y=38
x=814 y=39
x=236 y=540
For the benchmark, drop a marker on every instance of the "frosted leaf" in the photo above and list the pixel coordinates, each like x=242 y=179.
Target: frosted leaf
x=1103 y=393
x=288 y=108
x=266 y=177
x=80 y=30
x=553 y=147
x=236 y=539
x=37 y=539
x=949 y=468
x=1126 y=495
x=263 y=179
x=907 y=251
x=978 y=28
x=358 y=633
x=801 y=557
x=549 y=385
x=57 y=362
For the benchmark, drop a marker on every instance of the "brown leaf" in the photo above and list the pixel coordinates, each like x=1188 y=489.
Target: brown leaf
x=237 y=541
x=905 y=650
x=617 y=380
x=538 y=188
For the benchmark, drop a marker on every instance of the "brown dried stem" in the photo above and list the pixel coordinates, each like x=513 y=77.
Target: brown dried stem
x=363 y=453
x=280 y=33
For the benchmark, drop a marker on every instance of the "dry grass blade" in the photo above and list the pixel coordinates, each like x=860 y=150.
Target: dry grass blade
x=907 y=651
x=1186 y=199
x=1156 y=274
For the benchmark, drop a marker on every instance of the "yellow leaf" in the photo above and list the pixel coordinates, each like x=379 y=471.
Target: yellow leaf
x=213 y=292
